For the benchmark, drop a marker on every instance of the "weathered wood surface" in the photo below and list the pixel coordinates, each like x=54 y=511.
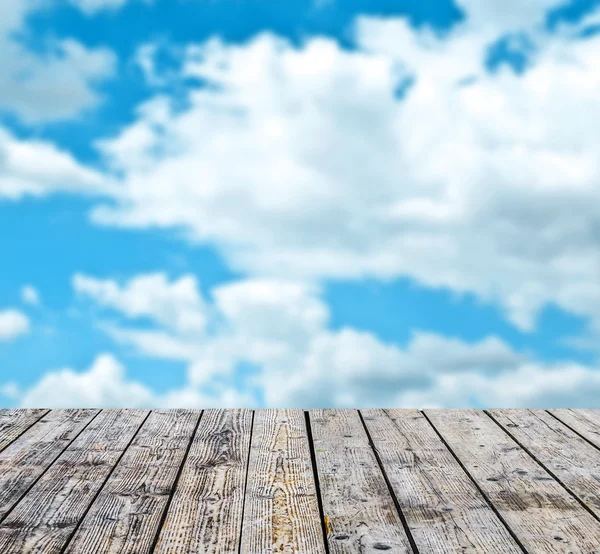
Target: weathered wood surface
x=568 y=457
x=14 y=423
x=584 y=422
x=42 y=522
x=282 y=510
x=206 y=512
x=244 y=482
x=444 y=510
x=359 y=510
x=541 y=513
x=126 y=516
x=26 y=459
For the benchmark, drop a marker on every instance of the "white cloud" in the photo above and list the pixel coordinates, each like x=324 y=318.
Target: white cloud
x=506 y=15
x=38 y=168
x=532 y=385
x=10 y=390
x=92 y=7
x=39 y=87
x=30 y=295
x=489 y=188
x=146 y=57
x=104 y=384
x=55 y=84
x=480 y=183
x=178 y=305
x=13 y=324
x=282 y=328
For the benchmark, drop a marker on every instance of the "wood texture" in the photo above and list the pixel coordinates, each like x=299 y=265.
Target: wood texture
x=444 y=510
x=585 y=422
x=281 y=511
x=359 y=511
x=43 y=521
x=26 y=459
x=125 y=517
x=243 y=482
x=542 y=514
x=14 y=423
x=206 y=511
x=572 y=460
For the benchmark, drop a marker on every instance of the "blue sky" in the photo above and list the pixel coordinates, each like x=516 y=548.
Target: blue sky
x=311 y=203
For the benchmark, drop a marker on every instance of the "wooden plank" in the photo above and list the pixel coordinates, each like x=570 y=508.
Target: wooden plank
x=282 y=512
x=540 y=512
x=26 y=459
x=206 y=511
x=585 y=422
x=43 y=521
x=569 y=458
x=125 y=517
x=359 y=511
x=443 y=508
x=14 y=423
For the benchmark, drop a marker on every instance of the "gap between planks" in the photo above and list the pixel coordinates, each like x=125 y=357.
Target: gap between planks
x=528 y=451
x=544 y=465
x=514 y=482
x=54 y=454
x=313 y=458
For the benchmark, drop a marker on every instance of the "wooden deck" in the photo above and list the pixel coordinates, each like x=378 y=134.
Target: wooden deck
x=283 y=481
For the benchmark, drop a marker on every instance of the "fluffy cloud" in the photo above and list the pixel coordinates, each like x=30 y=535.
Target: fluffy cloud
x=55 y=84
x=38 y=168
x=281 y=327
x=482 y=183
x=10 y=390
x=30 y=295
x=178 y=305
x=105 y=385
x=39 y=87
x=13 y=324
x=102 y=385
x=92 y=7
x=486 y=183
x=303 y=163
x=506 y=15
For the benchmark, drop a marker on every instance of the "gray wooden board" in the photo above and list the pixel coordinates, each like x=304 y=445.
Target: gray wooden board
x=281 y=511
x=585 y=422
x=572 y=460
x=42 y=522
x=206 y=510
x=443 y=508
x=125 y=517
x=360 y=513
x=540 y=512
x=26 y=459
x=14 y=423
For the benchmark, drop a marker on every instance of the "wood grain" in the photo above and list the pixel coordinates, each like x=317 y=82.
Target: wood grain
x=282 y=511
x=206 y=511
x=14 y=423
x=572 y=460
x=540 y=512
x=443 y=508
x=126 y=516
x=43 y=521
x=585 y=422
x=360 y=512
x=30 y=455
